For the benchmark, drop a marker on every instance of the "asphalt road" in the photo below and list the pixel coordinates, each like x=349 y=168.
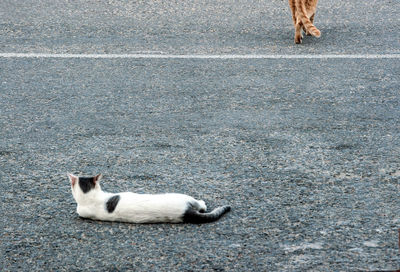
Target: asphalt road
x=306 y=151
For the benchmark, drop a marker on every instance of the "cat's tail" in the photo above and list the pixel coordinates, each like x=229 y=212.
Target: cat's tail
x=302 y=15
x=194 y=216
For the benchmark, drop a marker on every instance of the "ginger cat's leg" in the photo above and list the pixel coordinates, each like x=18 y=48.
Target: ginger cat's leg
x=298 y=36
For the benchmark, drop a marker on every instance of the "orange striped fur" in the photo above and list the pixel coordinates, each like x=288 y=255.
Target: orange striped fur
x=303 y=12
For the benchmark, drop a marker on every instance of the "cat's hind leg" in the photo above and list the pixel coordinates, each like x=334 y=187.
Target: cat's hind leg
x=198 y=205
x=312 y=18
x=297 y=35
x=202 y=206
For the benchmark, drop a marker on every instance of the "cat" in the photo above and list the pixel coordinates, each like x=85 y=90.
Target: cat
x=130 y=207
x=303 y=12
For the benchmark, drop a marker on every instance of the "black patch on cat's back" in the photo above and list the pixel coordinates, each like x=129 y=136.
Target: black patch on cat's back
x=86 y=184
x=112 y=203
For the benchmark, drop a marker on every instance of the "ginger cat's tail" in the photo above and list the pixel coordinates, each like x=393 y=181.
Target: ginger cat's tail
x=302 y=15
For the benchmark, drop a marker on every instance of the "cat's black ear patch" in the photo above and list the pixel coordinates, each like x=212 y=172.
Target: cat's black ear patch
x=112 y=203
x=86 y=184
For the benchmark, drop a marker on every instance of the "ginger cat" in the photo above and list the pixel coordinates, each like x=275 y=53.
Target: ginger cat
x=303 y=12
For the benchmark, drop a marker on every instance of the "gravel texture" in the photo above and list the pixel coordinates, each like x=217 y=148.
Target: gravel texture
x=305 y=151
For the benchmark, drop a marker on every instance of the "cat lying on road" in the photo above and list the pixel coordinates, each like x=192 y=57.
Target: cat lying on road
x=130 y=207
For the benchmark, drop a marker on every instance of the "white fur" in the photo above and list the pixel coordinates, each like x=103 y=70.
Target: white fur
x=132 y=207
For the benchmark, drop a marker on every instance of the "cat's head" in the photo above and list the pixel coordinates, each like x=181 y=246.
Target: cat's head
x=84 y=186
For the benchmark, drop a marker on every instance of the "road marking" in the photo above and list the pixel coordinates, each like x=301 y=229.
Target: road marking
x=197 y=56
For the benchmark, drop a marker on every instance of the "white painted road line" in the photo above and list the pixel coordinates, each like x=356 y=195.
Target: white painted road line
x=197 y=56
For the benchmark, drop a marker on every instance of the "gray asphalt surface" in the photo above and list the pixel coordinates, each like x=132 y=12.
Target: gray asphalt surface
x=305 y=151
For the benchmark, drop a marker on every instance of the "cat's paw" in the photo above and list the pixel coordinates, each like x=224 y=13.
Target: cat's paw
x=298 y=36
x=203 y=206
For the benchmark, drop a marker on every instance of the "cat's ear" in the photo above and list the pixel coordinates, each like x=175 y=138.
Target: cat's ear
x=73 y=179
x=97 y=178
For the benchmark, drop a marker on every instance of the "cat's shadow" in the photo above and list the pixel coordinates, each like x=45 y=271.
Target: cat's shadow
x=83 y=220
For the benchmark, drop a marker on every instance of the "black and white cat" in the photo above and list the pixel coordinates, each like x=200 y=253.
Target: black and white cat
x=130 y=207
